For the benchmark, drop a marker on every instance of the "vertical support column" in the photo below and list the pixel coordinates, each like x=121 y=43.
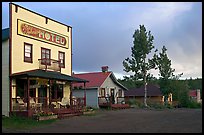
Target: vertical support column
x=10 y=95
x=84 y=94
x=49 y=92
x=28 y=97
x=71 y=94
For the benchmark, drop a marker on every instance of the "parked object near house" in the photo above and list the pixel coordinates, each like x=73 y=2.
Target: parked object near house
x=36 y=64
x=195 y=95
x=103 y=89
x=154 y=94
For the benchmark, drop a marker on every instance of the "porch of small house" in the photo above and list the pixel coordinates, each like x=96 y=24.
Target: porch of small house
x=106 y=102
x=76 y=106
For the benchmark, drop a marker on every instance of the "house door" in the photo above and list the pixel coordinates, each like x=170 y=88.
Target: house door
x=112 y=96
x=42 y=95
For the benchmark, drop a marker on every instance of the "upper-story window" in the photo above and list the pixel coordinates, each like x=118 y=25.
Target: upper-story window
x=28 y=55
x=45 y=56
x=62 y=59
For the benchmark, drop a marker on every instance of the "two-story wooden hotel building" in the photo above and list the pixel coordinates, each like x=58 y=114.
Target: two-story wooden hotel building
x=36 y=63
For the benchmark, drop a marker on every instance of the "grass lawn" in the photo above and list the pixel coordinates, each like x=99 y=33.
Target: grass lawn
x=15 y=122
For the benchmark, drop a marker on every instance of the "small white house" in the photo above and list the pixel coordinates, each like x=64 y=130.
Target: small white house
x=102 y=88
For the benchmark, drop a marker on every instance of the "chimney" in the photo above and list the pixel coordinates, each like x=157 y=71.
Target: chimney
x=104 y=68
x=198 y=95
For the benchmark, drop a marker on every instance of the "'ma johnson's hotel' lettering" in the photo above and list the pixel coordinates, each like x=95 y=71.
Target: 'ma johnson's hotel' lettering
x=36 y=32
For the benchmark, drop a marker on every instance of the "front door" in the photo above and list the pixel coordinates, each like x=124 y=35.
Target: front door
x=112 y=96
x=42 y=95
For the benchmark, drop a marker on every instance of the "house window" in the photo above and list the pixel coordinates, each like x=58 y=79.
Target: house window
x=62 y=59
x=57 y=91
x=28 y=55
x=119 y=93
x=45 y=56
x=102 y=92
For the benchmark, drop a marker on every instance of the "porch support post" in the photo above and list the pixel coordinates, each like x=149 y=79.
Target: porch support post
x=49 y=92
x=84 y=94
x=28 y=97
x=10 y=95
x=71 y=94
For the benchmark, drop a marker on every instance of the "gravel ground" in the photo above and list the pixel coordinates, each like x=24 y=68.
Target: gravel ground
x=132 y=120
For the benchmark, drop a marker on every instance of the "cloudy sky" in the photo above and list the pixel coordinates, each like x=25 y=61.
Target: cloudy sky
x=102 y=32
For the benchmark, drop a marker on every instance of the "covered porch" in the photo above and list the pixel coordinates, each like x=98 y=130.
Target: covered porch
x=44 y=92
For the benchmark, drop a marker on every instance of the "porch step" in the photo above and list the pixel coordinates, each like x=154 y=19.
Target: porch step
x=65 y=115
x=120 y=106
x=64 y=112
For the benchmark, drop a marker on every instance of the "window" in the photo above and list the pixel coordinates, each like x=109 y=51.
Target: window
x=62 y=59
x=45 y=56
x=57 y=91
x=102 y=92
x=119 y=93
x=28 y=56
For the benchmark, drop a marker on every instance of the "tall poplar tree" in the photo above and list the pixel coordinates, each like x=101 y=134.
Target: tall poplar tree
x=166 y=72
x=138 y=63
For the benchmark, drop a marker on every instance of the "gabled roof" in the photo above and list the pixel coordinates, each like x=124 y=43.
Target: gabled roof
x=5 y=34
x=48 y=75
x=96 y=79
x=152 y=90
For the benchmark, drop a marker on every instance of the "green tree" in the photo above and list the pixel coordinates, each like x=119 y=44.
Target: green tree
x=138 y=64
x=165 y=71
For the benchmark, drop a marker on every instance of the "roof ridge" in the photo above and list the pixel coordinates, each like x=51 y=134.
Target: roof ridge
x=91 y=73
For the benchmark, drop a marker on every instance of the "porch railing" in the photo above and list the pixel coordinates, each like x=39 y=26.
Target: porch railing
x=42 y=104
x=49 y=64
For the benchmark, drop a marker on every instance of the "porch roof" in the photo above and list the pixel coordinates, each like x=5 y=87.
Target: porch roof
x=47 y=75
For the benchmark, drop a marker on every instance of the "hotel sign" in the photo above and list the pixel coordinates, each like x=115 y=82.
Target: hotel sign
x=42 y=34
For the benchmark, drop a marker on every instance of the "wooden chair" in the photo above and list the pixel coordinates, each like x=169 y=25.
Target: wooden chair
x=64 y=103
x=21 y=103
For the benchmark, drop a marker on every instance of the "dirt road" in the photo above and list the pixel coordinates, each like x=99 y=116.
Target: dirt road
x=130 y=121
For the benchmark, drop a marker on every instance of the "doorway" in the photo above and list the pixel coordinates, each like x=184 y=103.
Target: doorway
x=112 y=96
x=42 y=95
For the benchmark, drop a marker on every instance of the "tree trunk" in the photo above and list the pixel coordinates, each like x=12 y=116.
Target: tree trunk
x=145 y=90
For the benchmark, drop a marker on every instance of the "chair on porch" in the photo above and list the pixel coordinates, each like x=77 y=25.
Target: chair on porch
x=21 y=103
x=64 y=102
x=36 y=106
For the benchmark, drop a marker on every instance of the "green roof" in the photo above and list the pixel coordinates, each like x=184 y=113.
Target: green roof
x=47 y=75
x=5 y=34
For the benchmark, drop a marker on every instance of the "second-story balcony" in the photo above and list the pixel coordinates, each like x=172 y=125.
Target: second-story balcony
x=49 y=64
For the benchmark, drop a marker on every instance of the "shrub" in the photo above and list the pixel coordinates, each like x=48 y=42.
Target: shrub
x=194 y=104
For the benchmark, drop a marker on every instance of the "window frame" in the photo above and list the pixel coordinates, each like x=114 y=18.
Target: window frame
x=102 y=92
x=120 y=93
x=49 y=59
x=62 y=65
x=28 y=59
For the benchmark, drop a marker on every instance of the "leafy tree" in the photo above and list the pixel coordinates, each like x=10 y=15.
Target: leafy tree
x=180 y=91
x=165 y=70
x=138 y=63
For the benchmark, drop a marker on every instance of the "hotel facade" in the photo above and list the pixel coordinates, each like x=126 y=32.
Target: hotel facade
x=36 y=63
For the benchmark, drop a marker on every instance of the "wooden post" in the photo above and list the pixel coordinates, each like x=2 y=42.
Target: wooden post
x=49 y=93
x=71 y=94
x=28 y=97
x=84 y=94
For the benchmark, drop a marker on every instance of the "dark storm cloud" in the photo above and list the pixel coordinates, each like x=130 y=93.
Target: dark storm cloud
x=102 y=31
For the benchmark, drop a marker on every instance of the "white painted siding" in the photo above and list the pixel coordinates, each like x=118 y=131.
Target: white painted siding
x=5 y=78
x=91 y=96
x=109 y=84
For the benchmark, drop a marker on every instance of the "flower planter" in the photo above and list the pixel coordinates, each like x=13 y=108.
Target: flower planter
x=89 y=112
x=39 y=118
